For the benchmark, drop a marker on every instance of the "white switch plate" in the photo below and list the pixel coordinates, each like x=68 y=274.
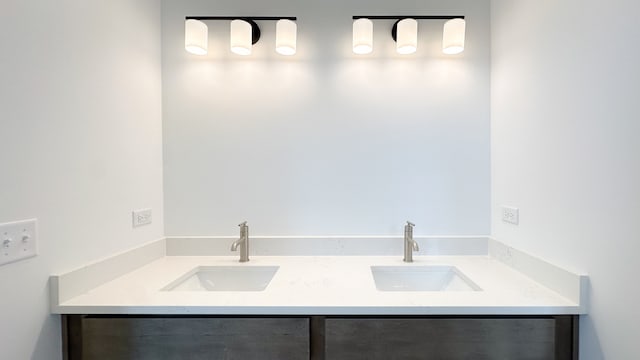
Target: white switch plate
x=18 y=241
x=142 y=217
x=510 y=215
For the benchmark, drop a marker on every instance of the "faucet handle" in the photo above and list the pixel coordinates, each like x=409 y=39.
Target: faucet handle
x=243 y=224
x=409 y=223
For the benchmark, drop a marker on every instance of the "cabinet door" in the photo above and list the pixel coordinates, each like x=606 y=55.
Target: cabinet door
x=158 y=338
x=440 y=339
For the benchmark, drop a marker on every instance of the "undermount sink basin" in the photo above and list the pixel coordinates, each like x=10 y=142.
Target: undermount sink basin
x=421 y=278
x=224 y=278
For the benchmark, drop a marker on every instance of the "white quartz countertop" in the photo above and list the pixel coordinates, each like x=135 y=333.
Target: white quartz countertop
x=320 y=285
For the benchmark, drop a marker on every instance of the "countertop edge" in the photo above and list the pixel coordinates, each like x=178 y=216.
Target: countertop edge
x=323 y=310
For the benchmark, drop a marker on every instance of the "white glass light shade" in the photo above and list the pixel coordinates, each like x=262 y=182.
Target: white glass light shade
x=241 y=38
x=453 y=36
x=196 y=37
x=407 y=36
x=362 y=36
x=286 y=33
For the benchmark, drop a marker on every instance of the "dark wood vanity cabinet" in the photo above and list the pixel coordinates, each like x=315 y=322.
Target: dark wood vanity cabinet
x=188 y=338
x=449 y=338
x=90 y=337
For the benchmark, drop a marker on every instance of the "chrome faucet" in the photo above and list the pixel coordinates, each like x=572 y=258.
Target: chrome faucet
x=243 y=242
x=410 y=245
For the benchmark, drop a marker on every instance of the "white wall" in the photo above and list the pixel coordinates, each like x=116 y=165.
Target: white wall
x=80 y=123
x=326 y=142
x=565 y=150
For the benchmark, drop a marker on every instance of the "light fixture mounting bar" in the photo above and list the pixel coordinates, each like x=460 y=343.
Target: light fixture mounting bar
x=254 y=18
x=400 y=17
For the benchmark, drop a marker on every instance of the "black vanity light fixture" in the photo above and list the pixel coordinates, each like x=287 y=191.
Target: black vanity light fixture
x=244 y=33
x=405 y=33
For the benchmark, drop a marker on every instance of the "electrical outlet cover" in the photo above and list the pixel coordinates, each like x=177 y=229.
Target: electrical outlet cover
x=510 y=215
x=142 y=217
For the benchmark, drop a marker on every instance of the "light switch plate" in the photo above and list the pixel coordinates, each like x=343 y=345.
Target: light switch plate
x=18 y=241
x=142 y=217
x=510 y=215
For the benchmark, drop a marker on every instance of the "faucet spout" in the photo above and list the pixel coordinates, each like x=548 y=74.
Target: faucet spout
x=415 y=246
x=234 y=245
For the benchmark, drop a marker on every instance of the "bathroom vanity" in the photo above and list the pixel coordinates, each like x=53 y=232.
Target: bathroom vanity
x=157 y=302
x=160 y=337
